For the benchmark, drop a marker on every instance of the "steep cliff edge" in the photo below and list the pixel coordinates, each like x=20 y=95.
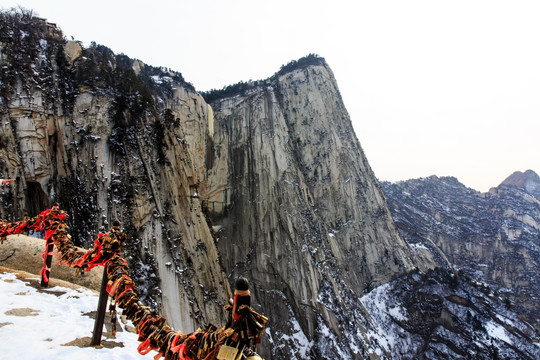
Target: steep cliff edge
x=100 y=134
x=299 y=209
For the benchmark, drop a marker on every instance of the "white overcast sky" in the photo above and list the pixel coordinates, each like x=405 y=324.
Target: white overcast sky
x=447 y=88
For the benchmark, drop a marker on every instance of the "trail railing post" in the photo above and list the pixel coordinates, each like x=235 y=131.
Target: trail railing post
x=48 y=262
x=102 y=308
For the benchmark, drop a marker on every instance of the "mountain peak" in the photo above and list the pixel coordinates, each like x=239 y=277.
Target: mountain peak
x=528 y=181
x=241 y=88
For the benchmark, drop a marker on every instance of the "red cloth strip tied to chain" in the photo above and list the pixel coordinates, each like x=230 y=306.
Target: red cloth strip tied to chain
x=153 y=331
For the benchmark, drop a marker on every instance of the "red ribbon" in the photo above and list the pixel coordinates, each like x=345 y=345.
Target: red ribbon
x=43 y=274
x=145 y=347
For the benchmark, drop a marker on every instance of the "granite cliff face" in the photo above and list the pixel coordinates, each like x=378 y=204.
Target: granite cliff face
x=272 y=179
x=100 y=135
x=493 y=237
x=299 y=209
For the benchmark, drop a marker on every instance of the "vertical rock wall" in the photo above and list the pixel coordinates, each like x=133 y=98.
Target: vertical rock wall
x=300 y=211
x=101 y=161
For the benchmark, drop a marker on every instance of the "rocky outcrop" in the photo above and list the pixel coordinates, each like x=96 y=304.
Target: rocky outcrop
x=527 y=181
x=493 y=237
x=299 y=209
x=73 y=51
x=106 y=144
x=440 y=314
x=25 y=253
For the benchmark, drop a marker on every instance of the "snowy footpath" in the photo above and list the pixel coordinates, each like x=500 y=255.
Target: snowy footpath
x=51 y=323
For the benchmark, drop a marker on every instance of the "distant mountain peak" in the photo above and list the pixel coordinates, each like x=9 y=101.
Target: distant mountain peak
x=458 y=228
x=528 y=181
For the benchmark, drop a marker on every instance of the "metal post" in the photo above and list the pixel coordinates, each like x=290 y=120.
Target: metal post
x=102 y=308
x=49 y=246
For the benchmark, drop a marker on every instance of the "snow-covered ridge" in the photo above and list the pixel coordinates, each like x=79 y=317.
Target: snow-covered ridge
x=441 y=315
x=494 y=237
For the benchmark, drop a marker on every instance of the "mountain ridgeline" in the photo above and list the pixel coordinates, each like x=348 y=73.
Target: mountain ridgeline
x=264 y=179
x=494 y=237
